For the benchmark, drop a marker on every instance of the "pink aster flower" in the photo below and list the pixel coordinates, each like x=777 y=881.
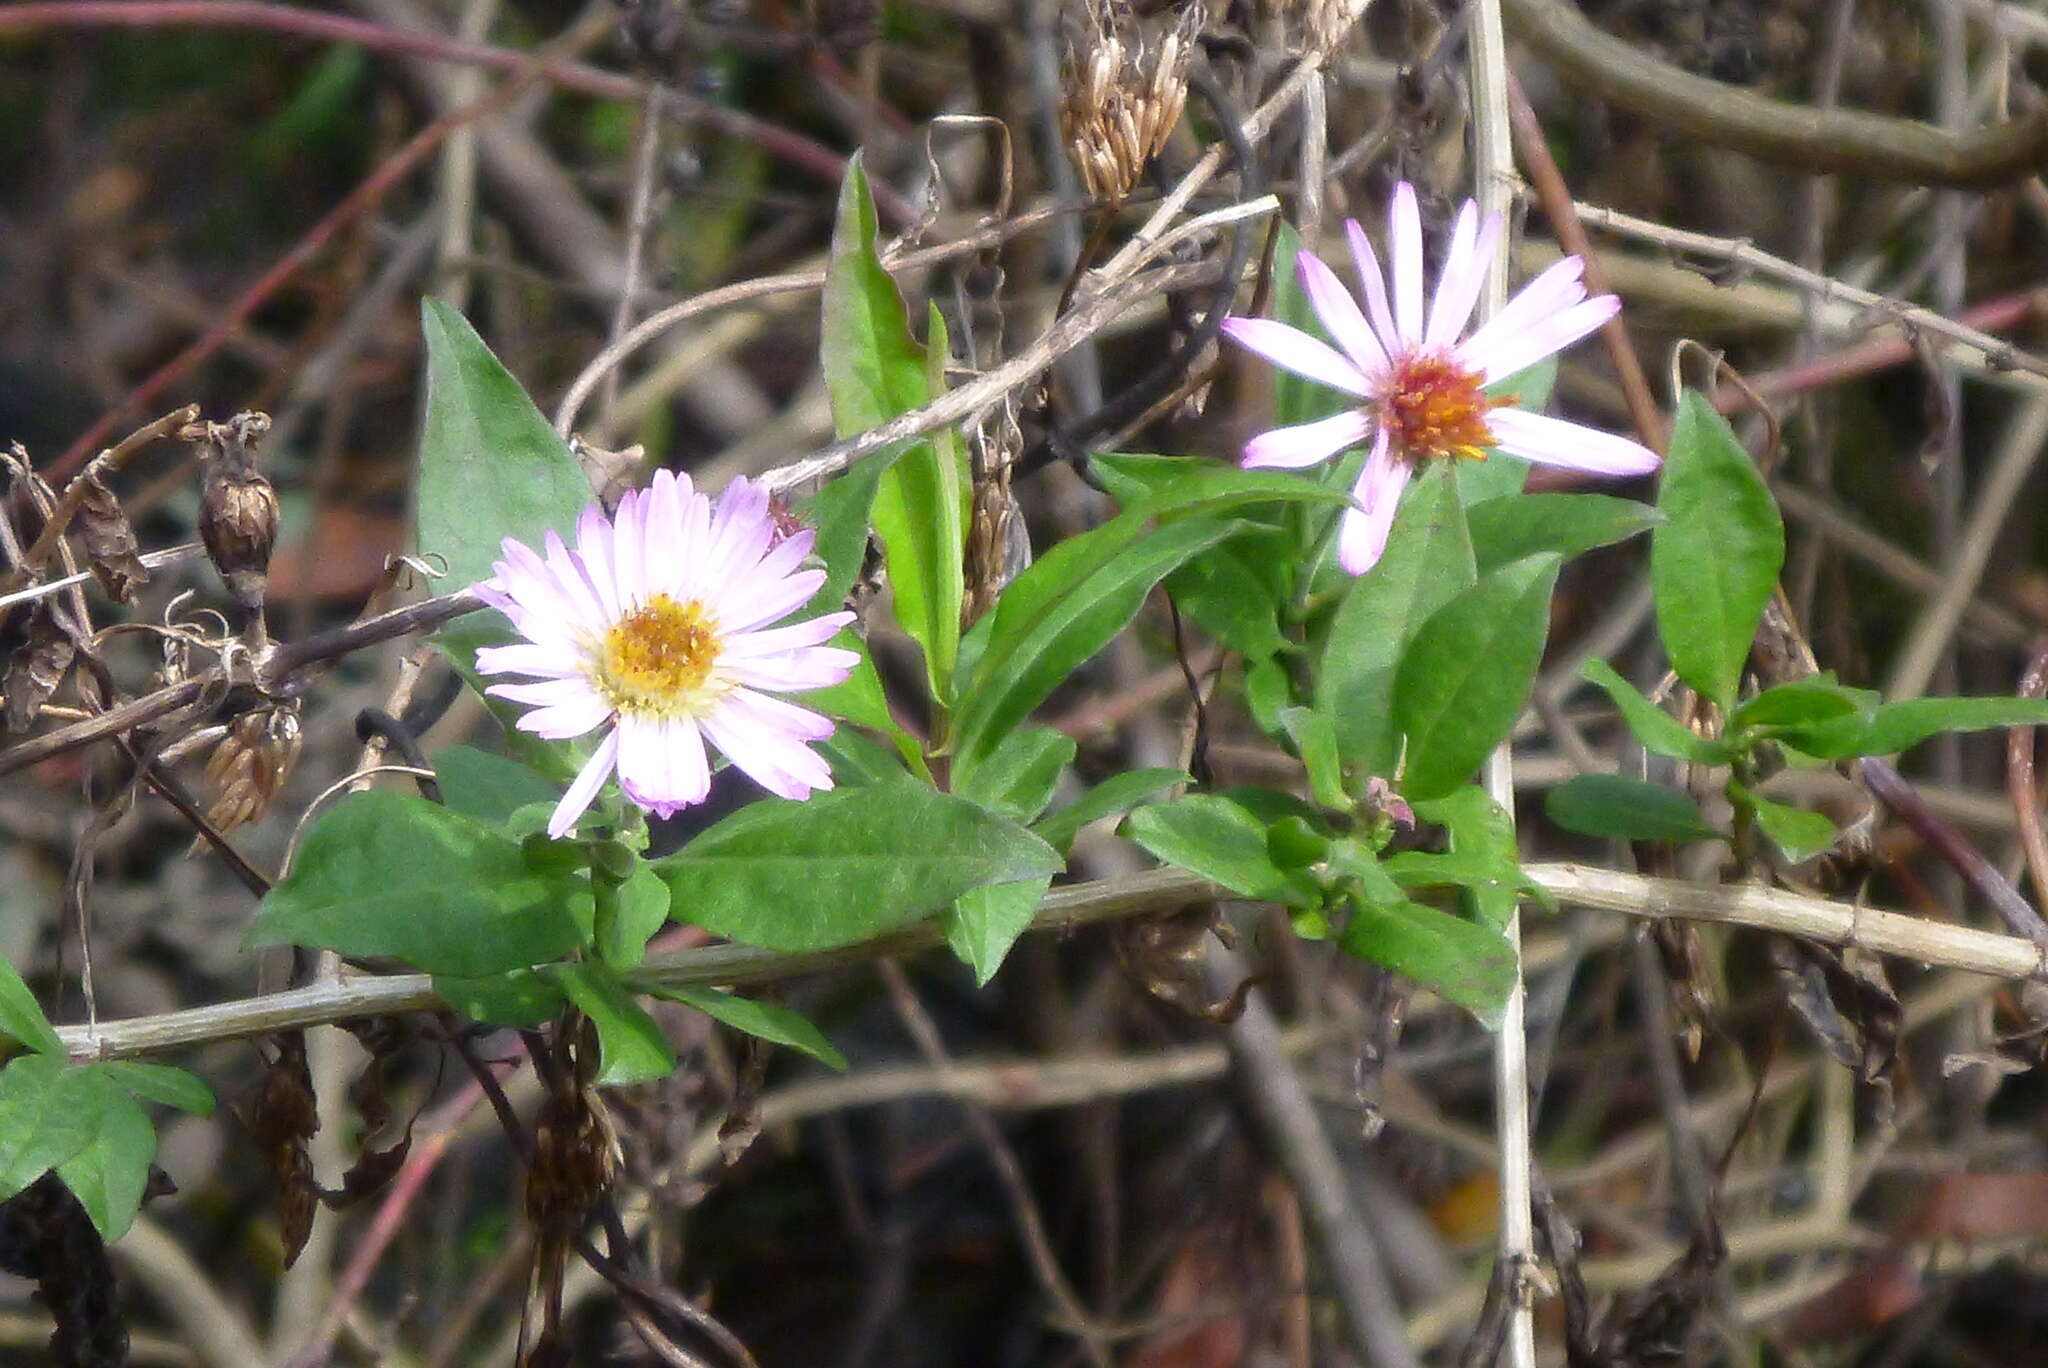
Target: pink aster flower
x=659 y=627
x=1421 y=388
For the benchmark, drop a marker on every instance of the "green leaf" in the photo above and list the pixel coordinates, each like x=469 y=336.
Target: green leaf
x=490 y=787
x=1459 y=960
x=1060 y=612
x=109 y=1174
x=519 y=999
x=1315 y=740
x=845 y=866
x=1017 y=779
x=386 y=873
x=1234 y=591
x=1118 y=793
x=21 y=1016
x=48 y=1112
x=1899 y=726
x=1803 y=703
x=767 y=1020
x=1466 y=675
x=1715 y=558
x=1656 y=729
x=1625 y=809
x=857 y=760
x=840 y=512
x=1484 y=856
x=160 y=1083
x=1506 y=530
x=1220 y=841
x=875 y=370
x=490 y=466
x=1427 y=561
x=631 y=1047
x=860 y=699
x=1799 y=833
x=642 y=910
x=983 y=923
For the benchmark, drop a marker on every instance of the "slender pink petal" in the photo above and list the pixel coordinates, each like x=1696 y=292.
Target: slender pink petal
x=1553 y=441
x=745 y=607
x=588 y=781
x=816 y=668
x=1339 y=312
x=1405 y=244
x=773 y=640
x=562 y=720
x=1374 y=282
x=1557 y=288
x=1292 y=349
x=546 y=693
x=1515 y=351
x=1307 y=443
x=662 y=765
x=661 y=514
x=594 y=548
x=762 y=744
x=1465 y=268
x=1363 y=536
x=524 y=657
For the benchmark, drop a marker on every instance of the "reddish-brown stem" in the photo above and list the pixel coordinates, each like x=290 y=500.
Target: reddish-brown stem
x=2019 y=779
x=420 y=1163
x=1556 y=199
x=1980 y=874
x=1878 y=353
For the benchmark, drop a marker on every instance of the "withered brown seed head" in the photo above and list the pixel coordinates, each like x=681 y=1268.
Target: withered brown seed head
x=1123 y=94
x=34 y=670
x=250 y=765
x=238 y=513
x=109 y=539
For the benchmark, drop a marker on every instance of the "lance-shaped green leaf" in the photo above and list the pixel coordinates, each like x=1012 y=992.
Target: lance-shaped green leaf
x=519 y=999
x=845 y=866
x=1624 y=809
x=109 y=1174
x=1900 y=726
x=1506 y=530
x=1656 y=729
x=160 y=1083
x=1803 y=703
x=1017 y=779
x=1427 y=561
x=1117 y=794
x=490 y=466
x=1800 y=834
x=490 y=787
x=387 y=874
x=1715 y=558
x=1466 y=675
x=631 y=1047
x=983 y=923
x=1459 y=960
x=49 y=1111
x=21 y=1016
x=874 y=371
x=1215 y=838
x=767 y=1020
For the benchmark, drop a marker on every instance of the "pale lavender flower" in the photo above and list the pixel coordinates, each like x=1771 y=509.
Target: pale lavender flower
x=1420 y=386
x=659 y=627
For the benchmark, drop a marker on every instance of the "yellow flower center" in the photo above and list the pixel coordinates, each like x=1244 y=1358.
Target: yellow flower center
x=658 y=659
x=1435 y=407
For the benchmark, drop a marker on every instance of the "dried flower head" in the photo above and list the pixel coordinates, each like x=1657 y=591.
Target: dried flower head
x=110 y=544
x=249 y=765
x=660 y=628
x=1123 y=95
x=1326 y=23
x=1419 y=387
x=238 y=513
